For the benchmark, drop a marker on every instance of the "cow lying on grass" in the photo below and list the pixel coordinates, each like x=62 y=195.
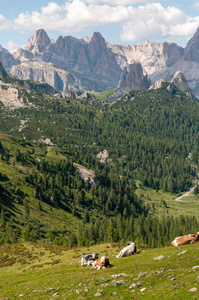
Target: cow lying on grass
x=128 y=250
x=186 y=239
x=88 y=259
x=101 y=263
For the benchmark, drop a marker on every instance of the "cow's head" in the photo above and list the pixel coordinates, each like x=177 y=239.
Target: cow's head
x=95 y=255
x=129 y=243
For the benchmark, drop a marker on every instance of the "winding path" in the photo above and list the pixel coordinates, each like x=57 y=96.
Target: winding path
x=186 y=194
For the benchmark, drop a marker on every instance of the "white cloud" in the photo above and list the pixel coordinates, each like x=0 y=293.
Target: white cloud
x=118 y=2
x=72 y=16
x=11 y=46
x=5 y=24
x=153 y=21
x=147 y=21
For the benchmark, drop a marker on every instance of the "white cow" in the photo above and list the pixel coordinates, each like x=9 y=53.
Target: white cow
x=128 y=250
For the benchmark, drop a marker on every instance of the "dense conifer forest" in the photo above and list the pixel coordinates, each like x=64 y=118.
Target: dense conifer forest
x=151 y=137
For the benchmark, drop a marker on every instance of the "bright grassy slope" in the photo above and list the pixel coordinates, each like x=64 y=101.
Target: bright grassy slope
x=40 y=271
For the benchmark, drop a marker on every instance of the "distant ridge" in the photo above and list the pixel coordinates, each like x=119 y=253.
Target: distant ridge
x=92 y=59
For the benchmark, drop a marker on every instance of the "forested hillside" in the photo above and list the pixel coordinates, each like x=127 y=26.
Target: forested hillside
x=150 y=139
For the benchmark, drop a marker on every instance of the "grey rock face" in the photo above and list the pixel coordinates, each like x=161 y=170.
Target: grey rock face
x=59 y=79
x=7 y=59
x=192 y=48
x=180 y=83
x=92 y=60
x=2 y=70
x=172 y=53
x=38 y=42
x=133 y=78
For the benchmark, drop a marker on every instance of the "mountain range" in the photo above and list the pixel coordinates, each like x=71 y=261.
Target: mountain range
x=91 y=63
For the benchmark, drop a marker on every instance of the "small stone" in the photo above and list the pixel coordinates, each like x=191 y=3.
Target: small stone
x=85 y=289
x=195 y=267
x=140 y=283
x=118 y=275
x=161 y=270
x=141 y=274
x=194 y=289
x=105 y=285
x=173 y=279
x=133 y=291
x=56 y=295
x=198 y=278
x=98 y=295
x=50 y=290
x=114 y=294
x=133 y=285
x=21 y=295
x=142 y=290
x=183 y=252
x=77 y=292
x=158 y=257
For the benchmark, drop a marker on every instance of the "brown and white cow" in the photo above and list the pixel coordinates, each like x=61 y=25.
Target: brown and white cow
x=101 y=263
x=128 y=250
x=186 y=239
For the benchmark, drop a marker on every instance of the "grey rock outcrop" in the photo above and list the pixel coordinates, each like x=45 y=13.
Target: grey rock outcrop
x=157 y=85
x=133 y=78
x=38 y=42
x=7 y=59
x=179 y=83
x=2 y=70
x=172 y=53
x=192 y=48
x=92 y=59
x=59 y=79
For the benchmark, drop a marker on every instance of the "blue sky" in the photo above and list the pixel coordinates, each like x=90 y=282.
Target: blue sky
x=126 y=22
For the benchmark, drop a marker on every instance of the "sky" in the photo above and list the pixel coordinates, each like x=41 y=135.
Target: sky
x=125 y=22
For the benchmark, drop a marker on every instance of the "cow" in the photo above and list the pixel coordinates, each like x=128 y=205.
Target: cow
x=128 y=250
x=101 y=263
x=88 y=259
x=185 y=239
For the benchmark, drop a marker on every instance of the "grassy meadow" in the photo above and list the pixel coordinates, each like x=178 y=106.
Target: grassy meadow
x=41 y=271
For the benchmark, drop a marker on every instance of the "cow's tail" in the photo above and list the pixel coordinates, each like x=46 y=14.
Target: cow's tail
x=79 y=253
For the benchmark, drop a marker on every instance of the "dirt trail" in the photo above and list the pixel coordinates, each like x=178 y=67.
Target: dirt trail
x=186 y=194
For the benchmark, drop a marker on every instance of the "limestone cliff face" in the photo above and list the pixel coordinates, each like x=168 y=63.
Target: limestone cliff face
x=61 y=80
x=95 y=60
x=38 y=42
x=192 y=48
x=2 y=70
x=133 y=78
x=7 y=59
x=180 y=83
x=92 y=59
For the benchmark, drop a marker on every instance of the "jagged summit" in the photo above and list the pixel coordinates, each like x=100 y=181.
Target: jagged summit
x=133 y=78
x=99 y=61
x=180 y=83
x=192 y=48
x=38 y=41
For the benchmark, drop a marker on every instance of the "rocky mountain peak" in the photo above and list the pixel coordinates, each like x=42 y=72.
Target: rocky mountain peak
x=133 y=78
x=192 y=48
x=157 y=85
x=98 y=41
x=180 y=83
x=38 y=41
